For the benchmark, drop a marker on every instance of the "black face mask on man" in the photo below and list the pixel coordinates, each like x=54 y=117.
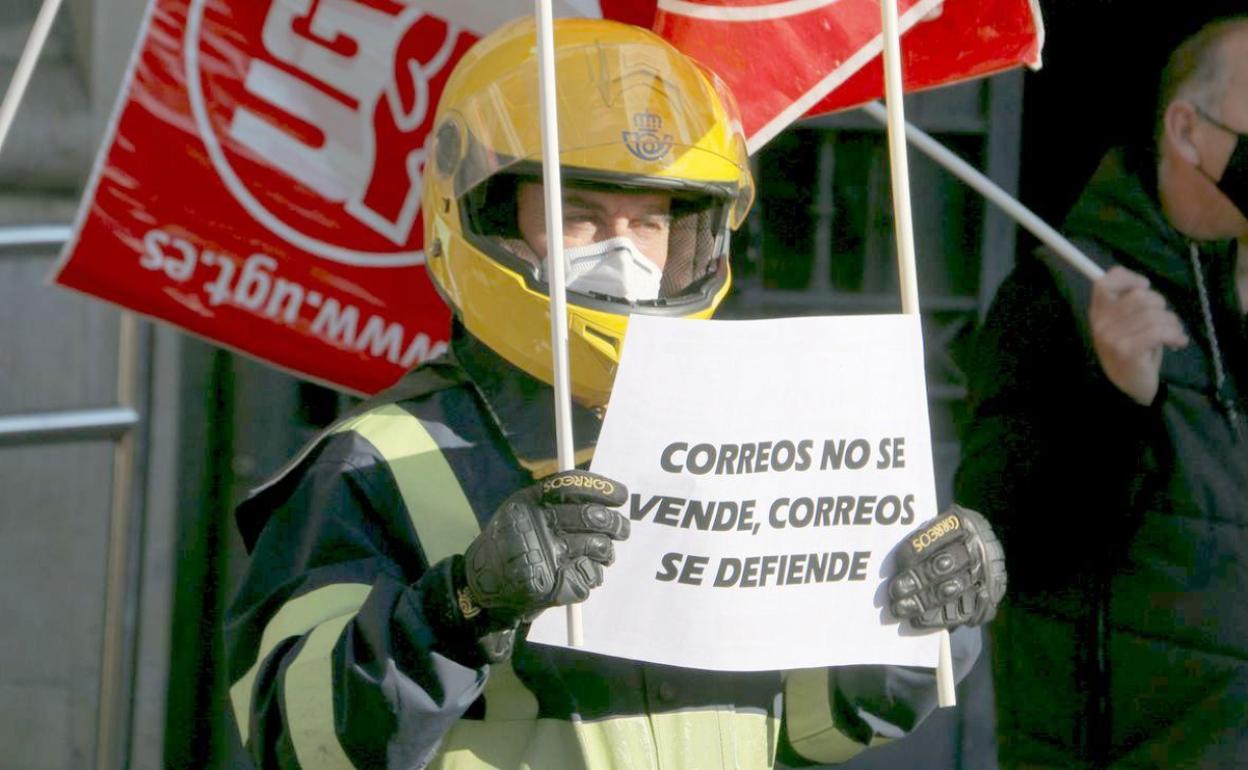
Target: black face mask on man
x=1234 y=181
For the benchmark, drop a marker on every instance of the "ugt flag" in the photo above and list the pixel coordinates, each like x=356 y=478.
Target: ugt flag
x=260 y=182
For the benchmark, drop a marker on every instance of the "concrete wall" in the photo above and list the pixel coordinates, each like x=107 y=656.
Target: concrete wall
x=54 y=354
x=58 y=351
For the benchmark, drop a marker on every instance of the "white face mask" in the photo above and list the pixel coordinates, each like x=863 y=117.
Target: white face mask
x=614 y=267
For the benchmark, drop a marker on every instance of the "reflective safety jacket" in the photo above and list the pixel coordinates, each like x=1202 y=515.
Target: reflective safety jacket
x=337 y=658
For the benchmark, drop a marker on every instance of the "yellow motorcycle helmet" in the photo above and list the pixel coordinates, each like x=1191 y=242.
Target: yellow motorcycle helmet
x=635 y=116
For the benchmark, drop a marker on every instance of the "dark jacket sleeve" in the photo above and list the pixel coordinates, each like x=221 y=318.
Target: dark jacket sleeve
x=340 y=641
x=1048 y=438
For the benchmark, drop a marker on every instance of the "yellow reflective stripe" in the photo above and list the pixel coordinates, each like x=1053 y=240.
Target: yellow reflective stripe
x=528 y=744
x=667 y=741
x=757 y=737
x=439 y=511
x=443 y=519
x=714 y=738
x=506 y=697
x=510 y=735
x=295 y=618
x=445 y=524
x=813 y=732
x=308 y=698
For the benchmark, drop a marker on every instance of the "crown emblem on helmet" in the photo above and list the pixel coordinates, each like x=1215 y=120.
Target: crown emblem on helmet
x=647 y=121
x=646 y=142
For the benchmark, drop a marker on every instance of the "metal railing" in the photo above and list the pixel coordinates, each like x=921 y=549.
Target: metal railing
x=34 y=235
x=123 y=424
x=105 y=423
x=109 y=423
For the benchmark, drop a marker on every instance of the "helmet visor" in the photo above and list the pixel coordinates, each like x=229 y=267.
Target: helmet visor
x=643 y=246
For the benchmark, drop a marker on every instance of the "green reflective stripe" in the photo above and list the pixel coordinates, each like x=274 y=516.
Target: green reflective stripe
x=621 y=743
x=813 y=732
x=439 y=511
x=295 y=618
x=714 y=738
x=757 y=737
x=308 y=698
x=443 y=520
x=666 y=741
x=506 y=697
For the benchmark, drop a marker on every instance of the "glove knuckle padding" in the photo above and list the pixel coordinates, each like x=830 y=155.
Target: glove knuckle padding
x=950 y=572
x=596 y=547
x=546 y=545
x=589 y=571
x=511 y=562
x=995 y=577
x=590 y=518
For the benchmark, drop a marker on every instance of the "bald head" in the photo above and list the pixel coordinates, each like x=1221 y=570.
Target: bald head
x=1200 y=69
x=1204 y=111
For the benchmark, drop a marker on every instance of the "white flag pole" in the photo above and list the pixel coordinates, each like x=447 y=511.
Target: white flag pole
x=26 y=66
x=976 y=179
x=554 y=261
x=904 y=228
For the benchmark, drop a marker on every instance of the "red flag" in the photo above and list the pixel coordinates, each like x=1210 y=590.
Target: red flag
x=260 y=182
x=788 y=58
x=259 y=185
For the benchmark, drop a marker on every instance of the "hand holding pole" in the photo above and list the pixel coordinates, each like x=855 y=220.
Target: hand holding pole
x=906 y=269
x=554 y=260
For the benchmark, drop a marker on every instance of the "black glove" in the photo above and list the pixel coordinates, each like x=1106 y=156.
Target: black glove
x=950 y=572
x=545 y=546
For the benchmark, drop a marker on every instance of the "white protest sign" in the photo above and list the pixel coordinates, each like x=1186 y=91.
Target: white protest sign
x=773 y=466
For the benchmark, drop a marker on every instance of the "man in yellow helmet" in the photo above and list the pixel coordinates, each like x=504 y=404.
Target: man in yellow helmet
x=395 y=561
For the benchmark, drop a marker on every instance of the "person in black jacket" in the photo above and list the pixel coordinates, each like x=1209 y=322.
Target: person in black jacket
x=395 y=562
x=1125 y=643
